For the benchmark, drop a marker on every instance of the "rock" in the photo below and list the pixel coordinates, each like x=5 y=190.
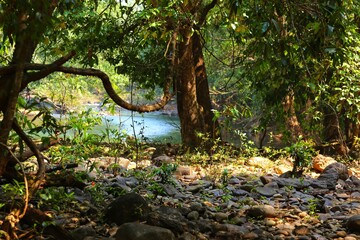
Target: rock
x=350 y=238
x=353 y=223
x=292 y=182
x=260 y=162
x=327 y=179
x=163 y=158
x=193 y=215
x=261 y=211
x=355 y=181
x=183 y=170
x=196 y=206
x=355 y=195
x=232 y=230
x=138 y=231
x=83 y=231
x=220 y=217
x=169 y=218
x=234 y=180
x=194 y=188
x=269 y=222
x=170 y=190
x=250 y=235
x=265 y=191
x=341 y=233
x=266 y=179
x=187 y=236
x=320 y=162
x=131 y=182
x=301 y=230
x=240 y=192
x=127 y=208
x=341 y=169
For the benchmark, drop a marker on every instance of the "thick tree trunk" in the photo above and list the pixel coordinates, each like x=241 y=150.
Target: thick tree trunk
x=291 y=121
x=193 y=98
x=333 y=132
x=211 y=125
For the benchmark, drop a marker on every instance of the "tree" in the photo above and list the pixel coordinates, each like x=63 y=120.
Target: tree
x=24 y=27
x=295 y=53
x=171 y=35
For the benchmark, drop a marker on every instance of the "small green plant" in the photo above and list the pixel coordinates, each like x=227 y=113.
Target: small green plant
x=56 y=198
x=224 y=177
x=165 y=172
x=302 y=151
x=98 y=193
x=156 y=188
x=313 y=206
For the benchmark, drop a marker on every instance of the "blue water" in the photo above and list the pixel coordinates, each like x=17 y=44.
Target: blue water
x=154 y=126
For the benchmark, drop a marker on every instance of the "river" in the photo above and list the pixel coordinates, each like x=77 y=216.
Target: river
x=154 y=126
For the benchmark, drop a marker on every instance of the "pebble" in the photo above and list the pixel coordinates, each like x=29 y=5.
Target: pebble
x=250 y=235
x=275 y=208
x=350 y=238
x=341 y=233
x=269 y=222
x=220 y=217
x=301 y=230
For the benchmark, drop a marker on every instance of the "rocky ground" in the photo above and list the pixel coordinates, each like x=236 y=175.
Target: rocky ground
x=234 y=200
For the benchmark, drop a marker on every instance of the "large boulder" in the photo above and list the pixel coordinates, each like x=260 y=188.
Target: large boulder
x=127 y=208
x=138 y=231
x=353 y=223
x=170 y=218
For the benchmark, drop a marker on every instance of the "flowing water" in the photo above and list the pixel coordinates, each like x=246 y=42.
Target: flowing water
x=153 y=126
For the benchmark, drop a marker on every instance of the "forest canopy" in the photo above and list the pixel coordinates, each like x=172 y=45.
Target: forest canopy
x=233 y=69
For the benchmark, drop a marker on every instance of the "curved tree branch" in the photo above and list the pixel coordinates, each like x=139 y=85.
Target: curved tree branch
x=47 y=70
x=167 y=95
x=40 y=158
x=114 y=96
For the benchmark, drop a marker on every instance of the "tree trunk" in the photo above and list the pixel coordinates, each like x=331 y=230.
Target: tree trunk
x=291 y=121
x=193 y=97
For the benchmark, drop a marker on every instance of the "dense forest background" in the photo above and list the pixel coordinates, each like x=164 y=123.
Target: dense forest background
x=281 y=73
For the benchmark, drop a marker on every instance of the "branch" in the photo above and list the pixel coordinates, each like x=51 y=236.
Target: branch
x=29 y=153
x=44 y=69
x=47 y=70
x=113 y=95
x=205 y=11
x=40 y=158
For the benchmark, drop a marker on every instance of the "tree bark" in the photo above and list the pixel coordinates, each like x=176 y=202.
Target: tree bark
x=291 y=121
x=193 y=97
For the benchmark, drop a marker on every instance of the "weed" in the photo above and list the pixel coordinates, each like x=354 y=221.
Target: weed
x=165 y=172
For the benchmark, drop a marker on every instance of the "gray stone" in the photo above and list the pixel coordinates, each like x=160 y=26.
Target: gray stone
x=127 y=208
x=132 y=182
x=234 y=180
x=261 y=211
x=196 y=206
x=292 y=182
x=83 y=231
x=170 y=190
x=240 y=192
x=194 y=188
x=266 y=191
x=355 y=195
x=138 y=231
x=355 y=180
x=169 y=218
x=163 y=158
x=193 y=215
x=219 y=216
x=187 y=236
x=353 y=223
x=341 y=169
